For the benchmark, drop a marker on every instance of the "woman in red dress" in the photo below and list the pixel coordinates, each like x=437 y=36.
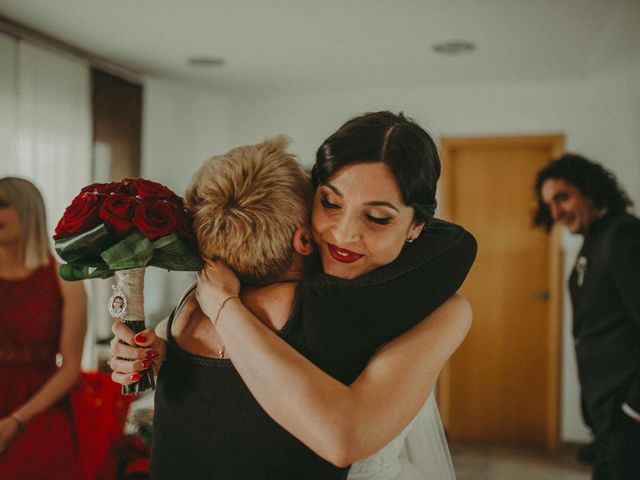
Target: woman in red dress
x=42 y=327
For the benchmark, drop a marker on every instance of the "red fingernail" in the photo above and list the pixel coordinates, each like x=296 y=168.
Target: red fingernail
x=146 y=363
x=135 y=376
x=139 y=338
x=152 y=354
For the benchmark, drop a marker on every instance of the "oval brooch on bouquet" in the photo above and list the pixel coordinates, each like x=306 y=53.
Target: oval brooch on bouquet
x=117 y=304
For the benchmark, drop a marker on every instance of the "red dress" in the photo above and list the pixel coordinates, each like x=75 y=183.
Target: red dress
x=30 y=325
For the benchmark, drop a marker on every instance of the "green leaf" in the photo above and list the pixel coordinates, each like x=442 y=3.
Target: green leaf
x=71 y=273
x=171 y=253
x=85 y=248
x=87 y=259
x=133 y=251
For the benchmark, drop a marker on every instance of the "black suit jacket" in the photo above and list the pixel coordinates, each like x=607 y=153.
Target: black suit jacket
x=606 y=323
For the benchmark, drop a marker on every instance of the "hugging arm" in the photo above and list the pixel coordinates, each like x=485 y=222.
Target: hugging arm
x=341 y=423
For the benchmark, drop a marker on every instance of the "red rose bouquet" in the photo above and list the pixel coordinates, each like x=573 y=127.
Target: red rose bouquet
x=118 y=229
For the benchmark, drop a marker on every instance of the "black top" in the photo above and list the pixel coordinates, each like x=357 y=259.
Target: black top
x=605 y=292
x=207 y=424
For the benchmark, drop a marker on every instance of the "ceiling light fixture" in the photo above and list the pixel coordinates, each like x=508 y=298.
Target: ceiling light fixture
x=454 y=47
x=205 y=62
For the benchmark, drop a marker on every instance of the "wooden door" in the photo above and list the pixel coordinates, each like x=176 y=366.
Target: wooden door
x=503 y=384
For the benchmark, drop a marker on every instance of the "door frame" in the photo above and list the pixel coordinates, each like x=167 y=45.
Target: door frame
x=556 y=145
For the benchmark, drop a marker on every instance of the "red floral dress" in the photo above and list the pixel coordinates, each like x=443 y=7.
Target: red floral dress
x=30 y=325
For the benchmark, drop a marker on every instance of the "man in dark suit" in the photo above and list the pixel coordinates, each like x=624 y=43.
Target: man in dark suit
x=605 y=293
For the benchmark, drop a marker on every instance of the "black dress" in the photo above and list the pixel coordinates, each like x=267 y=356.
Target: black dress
x=208 y=425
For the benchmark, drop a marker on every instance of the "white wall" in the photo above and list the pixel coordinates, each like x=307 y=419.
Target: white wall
x=182 y=126
x=600 y=118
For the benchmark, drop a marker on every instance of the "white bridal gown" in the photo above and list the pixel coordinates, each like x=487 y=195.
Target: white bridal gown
x=419 y=452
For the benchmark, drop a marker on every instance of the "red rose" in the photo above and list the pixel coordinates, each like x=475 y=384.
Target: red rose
x=80 y=216
x=146 y=190
x=104 y=188
x=117 y=212
x=155 y=219
x=183 y=224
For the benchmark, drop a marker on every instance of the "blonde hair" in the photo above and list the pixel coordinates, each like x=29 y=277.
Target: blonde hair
x=26 y=198
x=246 y=206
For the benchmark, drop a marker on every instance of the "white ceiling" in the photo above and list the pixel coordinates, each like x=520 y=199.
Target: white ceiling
x=337 y=43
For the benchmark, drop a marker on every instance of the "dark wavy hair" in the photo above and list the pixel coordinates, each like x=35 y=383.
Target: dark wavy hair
x=592 y=179
x=397 y=141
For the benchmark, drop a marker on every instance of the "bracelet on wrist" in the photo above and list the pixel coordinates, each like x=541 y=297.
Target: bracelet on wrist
x=19 y=420
x=631 y=412
x=222 y=305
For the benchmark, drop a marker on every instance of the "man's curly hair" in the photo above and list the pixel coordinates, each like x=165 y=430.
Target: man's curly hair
x=246 y=206
x=592 y=179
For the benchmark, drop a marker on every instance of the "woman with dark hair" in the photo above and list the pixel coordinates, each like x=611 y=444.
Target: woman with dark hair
x=42 y=317
x=399 y=143
x=385 y=266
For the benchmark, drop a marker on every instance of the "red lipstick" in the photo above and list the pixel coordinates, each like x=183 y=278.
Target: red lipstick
x=343 y=255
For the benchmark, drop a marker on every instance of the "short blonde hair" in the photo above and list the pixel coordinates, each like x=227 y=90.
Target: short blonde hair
x=26 y=198
x=246 y=206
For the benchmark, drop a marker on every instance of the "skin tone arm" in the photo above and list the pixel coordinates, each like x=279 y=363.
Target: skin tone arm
x=340 y=423
x=74 y=325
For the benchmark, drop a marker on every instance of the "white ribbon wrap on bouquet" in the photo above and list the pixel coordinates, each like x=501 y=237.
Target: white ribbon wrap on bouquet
x=127 y=304
x=131 y=284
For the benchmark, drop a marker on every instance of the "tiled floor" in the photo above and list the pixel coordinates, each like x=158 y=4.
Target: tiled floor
x=495 y=462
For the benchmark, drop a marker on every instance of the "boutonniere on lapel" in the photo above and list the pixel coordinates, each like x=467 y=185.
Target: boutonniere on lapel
x=581 y=269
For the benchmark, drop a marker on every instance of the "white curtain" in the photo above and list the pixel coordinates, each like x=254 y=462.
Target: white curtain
x=45 y=121
x=46 y=131
x=8 y=94
x=54 y=128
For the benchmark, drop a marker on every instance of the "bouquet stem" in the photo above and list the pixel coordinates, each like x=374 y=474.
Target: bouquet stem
x=147 y=381
x=130 y=283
